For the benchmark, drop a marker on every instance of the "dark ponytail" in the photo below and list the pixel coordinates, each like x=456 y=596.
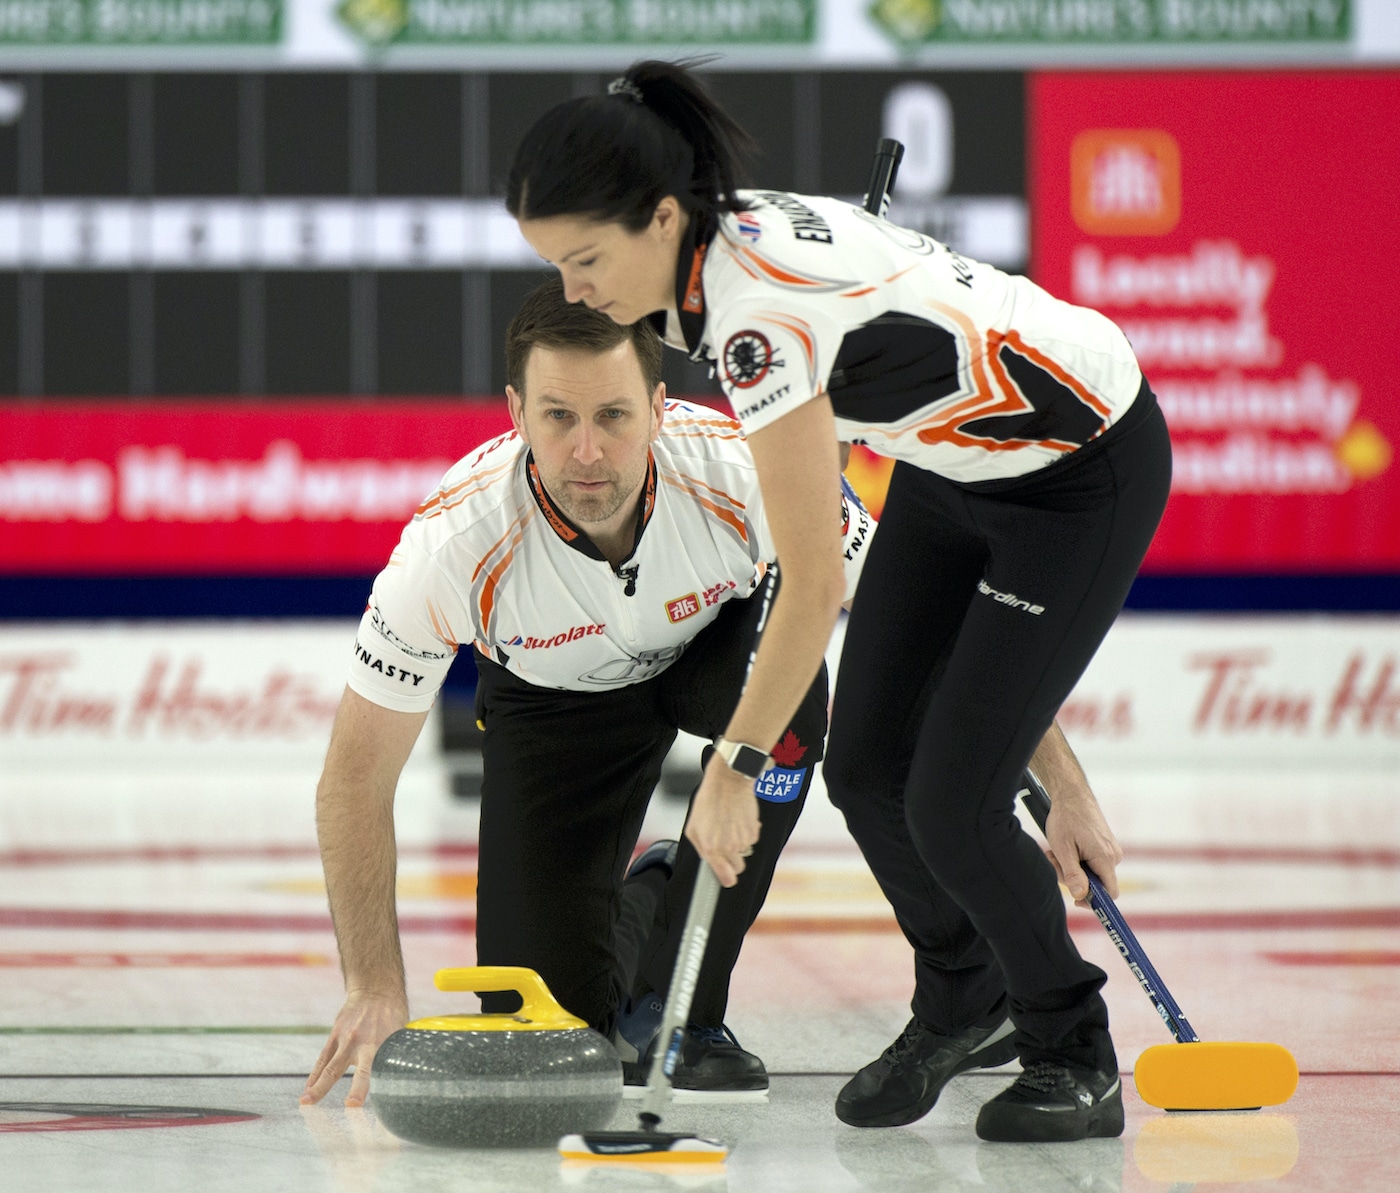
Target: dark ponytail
x=614 y=157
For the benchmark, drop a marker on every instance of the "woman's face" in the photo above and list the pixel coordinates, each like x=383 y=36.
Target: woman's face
x=626 y=275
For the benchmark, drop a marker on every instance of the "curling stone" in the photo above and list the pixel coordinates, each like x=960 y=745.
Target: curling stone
x=510 y=1080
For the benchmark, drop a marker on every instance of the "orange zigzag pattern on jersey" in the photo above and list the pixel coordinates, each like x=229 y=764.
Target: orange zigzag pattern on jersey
x=474 y=484
x=719 y=423
x=786 y=277
x=442 y=627
x=726 y=516
x=487 y=601
x=490 y=551
x=989 y=400
x=802 y=331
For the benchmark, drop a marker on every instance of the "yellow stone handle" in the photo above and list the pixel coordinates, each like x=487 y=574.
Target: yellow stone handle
x=538 y=1005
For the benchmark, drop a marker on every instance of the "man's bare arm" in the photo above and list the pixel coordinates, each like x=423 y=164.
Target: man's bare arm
x=355 y=826
x=1075 y=830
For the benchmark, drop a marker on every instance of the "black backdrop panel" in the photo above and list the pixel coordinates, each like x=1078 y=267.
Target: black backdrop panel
x=989 y=128
x=195 y=134
x=196 y=333
x=515 y=102
x=307 y=137
x=9 y=158
x=431 y=135
x=9 y=333
x=763 y=105
x=308 y=333
x=420 y=332
x=418 y=134
x=85 y=131
x=87 y=333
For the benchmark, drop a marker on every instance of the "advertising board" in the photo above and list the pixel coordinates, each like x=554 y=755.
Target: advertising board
x=1237 y=227
x=114 y=694
x=221 y=489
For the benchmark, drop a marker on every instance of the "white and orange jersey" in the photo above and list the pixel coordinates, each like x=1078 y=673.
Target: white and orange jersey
x=489 y=561
x=928 y=357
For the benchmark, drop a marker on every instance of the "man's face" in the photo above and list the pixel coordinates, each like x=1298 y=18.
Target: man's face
x=589 y=419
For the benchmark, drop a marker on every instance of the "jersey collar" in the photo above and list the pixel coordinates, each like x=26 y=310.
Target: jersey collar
x=570 y=534
x=690 y=282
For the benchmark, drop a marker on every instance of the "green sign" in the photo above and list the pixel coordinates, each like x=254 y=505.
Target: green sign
x=579 y=22
x=140 y=22
x=1079 y=22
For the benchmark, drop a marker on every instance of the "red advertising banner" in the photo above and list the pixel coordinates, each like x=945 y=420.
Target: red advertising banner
x=222 y=487
x=1242 y=228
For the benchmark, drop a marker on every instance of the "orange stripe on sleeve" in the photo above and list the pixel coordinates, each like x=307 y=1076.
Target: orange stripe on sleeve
x=719 y=512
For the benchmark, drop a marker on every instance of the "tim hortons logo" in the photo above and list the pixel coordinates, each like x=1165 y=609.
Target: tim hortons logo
x=683 y=607
x=38 y=698
x=1238 y=700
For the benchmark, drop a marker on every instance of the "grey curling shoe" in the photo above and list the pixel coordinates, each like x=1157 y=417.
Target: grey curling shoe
x=903 y=1084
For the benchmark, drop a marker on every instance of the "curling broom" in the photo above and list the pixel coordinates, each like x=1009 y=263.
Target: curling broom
x=1190 y=1074
x=649 y=1145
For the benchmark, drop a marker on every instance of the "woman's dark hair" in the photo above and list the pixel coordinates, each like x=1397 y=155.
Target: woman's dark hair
x=614 y=157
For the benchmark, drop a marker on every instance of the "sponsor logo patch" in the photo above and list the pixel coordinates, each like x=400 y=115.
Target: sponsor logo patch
x=1125 y=182
x=530 y=642
x=748 y=358
x=376 y=619
x=388 y=670
x=779 y=784
x=790 y=751
x=683 y=607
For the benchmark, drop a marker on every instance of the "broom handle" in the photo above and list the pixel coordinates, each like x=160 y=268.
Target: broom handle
x=1038 y=805
x=888 y=154
x=688 y=961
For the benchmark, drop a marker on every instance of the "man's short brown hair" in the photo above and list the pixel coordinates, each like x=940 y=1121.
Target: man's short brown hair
x=547 y=319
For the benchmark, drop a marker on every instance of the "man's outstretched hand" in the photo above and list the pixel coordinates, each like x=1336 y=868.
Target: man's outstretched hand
x=365 y=1021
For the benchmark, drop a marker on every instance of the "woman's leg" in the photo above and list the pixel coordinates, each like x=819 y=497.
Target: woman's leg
x=1063 y=553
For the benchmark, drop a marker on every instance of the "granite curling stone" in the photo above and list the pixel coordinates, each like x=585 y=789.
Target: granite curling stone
x=493 y=1080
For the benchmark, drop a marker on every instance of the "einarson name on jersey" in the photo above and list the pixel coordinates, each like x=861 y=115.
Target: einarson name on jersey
x=488 y=561
x=947 y=363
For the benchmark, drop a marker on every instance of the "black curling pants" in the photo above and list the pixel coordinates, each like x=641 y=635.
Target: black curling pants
x=567 y=779
x=977 y=613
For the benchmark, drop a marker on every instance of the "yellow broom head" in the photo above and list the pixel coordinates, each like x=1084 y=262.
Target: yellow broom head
x=1215 y=1076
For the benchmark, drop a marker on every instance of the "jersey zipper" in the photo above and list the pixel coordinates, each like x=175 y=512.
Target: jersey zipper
x=627 y=577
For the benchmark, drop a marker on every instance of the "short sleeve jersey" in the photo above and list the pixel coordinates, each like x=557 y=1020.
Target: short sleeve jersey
x=488 y=561
x=927 y=356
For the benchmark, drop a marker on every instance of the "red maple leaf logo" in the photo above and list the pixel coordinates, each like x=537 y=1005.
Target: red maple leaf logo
x=789 y=751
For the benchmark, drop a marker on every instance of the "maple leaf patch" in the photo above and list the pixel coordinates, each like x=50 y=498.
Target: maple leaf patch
x=789 y=751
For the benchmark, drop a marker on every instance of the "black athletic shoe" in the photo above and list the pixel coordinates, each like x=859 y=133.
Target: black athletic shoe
x=711 y=1059
x=904 y=1083
x=1049 y=1103
x=659 y=854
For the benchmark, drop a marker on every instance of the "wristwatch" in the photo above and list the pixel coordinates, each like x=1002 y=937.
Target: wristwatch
x=745 y=759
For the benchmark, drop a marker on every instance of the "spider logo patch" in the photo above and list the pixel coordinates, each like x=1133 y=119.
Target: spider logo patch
x=748 y=357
